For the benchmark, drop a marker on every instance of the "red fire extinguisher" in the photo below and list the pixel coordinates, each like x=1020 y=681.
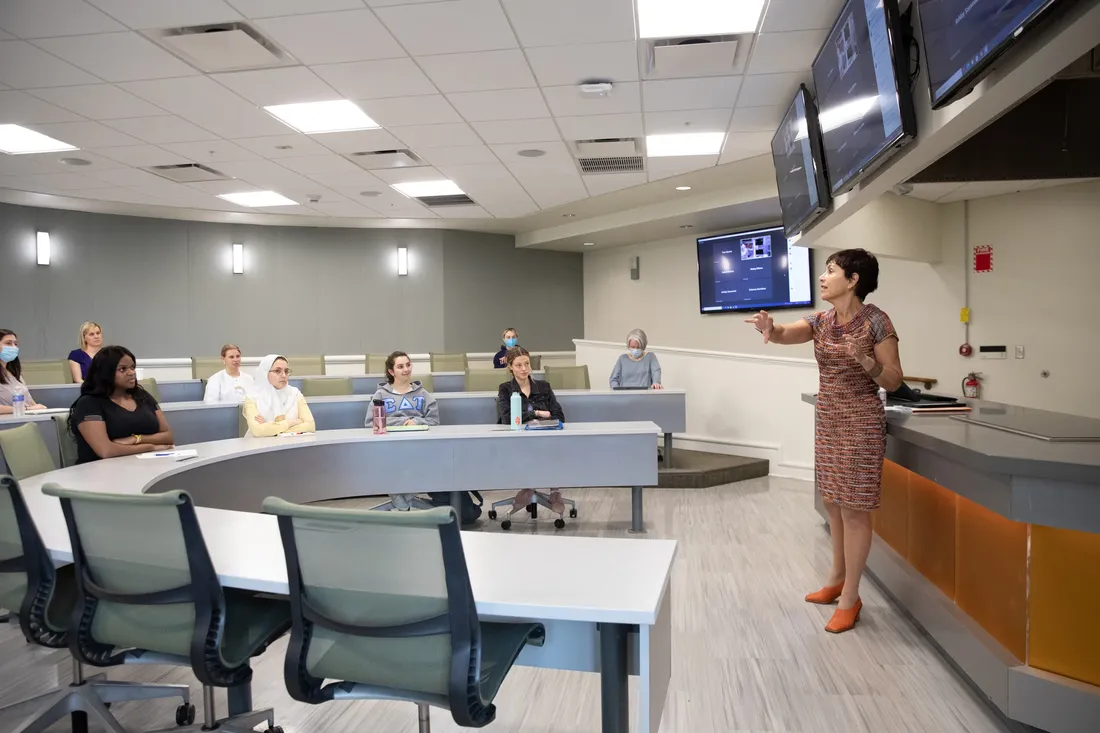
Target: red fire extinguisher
x=972 y=386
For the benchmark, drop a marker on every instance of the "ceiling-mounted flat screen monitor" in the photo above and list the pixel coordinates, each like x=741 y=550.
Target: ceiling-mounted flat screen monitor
x=963 y=37
x=863 y=99
x=799 y=165
x=753 y=270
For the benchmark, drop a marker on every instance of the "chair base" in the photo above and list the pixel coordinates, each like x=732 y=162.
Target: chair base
x=538 y=498
x=243 y=723
x=91 y=698
x=416 y=503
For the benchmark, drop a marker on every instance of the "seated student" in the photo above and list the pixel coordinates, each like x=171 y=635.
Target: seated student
x=91 y=340
x=510 y=337
x=637 y=367
x=407 y=403
x=537 y=403
x=228 y=385
x=273 y=406
x=114 y=416
x=11 y=374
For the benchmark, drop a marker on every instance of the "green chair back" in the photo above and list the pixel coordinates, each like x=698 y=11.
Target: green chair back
x=568 y=377
x=427 y=380
x=25 y=452
x=307 y=366
x=449 y=362
x=204 y=367
x=536 y=362
x=150 y=385
x=486 y=380
x=326 y=386
x=376 y=363
x=46 y=372
x=66 y=441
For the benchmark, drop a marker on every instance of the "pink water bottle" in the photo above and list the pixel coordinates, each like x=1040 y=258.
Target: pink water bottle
x=378 y=417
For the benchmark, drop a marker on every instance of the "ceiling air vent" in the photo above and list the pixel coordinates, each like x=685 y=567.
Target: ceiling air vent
x=457 y=199
x=188 y=173
x=378 y=159
x=222 y=47
x=692 y=56
x=609 y=155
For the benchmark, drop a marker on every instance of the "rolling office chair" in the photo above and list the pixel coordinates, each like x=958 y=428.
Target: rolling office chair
x=390 y=633
x=538 y=498
x=326 y=386
x=147 y=592
x=536 y=362
x=204 y=367
x=25 y=452
x=427 y=380
x=46 y=372
x=568 y=377
x=486 y=380
x=308 y=366
x=45 y=598
x=150 y=385
x=449 y=362
x=376 y=363
x=66 y=443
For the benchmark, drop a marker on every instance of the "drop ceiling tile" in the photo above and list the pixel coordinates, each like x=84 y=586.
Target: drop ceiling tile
x=594 y=127
x=552 y=189
x=140 y=14
x=742 y=145
x=556 y=158
x=608 y=182
x=268 y=175
x=392 y=176
x=564 y=22
x=45 y=18
x=294 y=145
x=123 y=177
x=122 y=195
x=436 y=136
x=757 y=119
x=687 y=121
x=85 y=134
x=219 y=188
x=511 y=208
x=776 y=53
x=162 y=129
x=6 y=36
x=211 y=151
x=474 y=72
x=98 y=101
x=933 y=191
x=346 y=209
x=511 y=104
x=141 y=156
x=517 y=131
x=800 y=15
x=680 y=94
x=567 y=101
x=356 y=178
x=52 y=163
x=287 y=85
x=568 y=65
x=423 y=110
x=659 y=168
x=319 y=164
x=332 y=38
x=24 y=66
x=461 y=155
x=65 y=181
x=771 y=90
x=458 y=26
x=358 y=141
x=462 y=212
x=376 y=79
x=117 y=57
x=21 y=108
x=208 y=104
x=276 y=8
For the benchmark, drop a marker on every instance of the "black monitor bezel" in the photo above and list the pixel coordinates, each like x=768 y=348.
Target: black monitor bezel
x=817 y=154
x=752 y=230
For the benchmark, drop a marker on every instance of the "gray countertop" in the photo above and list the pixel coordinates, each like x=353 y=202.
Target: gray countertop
x=995 y=451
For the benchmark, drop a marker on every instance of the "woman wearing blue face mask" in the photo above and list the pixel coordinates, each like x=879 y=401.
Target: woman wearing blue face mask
x=11 y=374
x=510 y=337
x=637 y=368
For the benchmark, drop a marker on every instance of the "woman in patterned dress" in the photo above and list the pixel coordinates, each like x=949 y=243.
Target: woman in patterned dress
x=856 y=349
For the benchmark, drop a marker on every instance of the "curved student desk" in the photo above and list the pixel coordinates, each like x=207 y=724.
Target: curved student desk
x=608 y=611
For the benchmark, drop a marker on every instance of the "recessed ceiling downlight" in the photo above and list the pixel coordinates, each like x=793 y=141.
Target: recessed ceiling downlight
x=531 y=153
x=75 y=161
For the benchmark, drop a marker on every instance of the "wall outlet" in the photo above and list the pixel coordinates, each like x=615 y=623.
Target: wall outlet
x=1019 y=352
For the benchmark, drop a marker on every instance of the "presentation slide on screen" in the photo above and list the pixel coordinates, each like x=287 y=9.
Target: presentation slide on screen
x=753 y=270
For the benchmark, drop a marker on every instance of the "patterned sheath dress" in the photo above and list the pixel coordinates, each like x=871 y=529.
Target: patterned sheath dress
x=850 y=436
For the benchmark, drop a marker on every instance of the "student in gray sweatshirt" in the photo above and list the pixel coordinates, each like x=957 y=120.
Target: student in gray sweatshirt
x=636 y=368
x=406 y=403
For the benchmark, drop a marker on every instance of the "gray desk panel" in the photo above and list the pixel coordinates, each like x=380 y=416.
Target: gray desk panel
x=367 y=384
x=186 y=390
x=198 y=423
x=667 y=409
x=64 y=395
x=46 y=426
x=55 y=395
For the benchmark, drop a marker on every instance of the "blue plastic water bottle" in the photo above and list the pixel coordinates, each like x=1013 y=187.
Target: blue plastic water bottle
x=516 y=405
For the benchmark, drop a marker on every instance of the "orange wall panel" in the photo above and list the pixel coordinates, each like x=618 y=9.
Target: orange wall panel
x=891 y=521
x=932 y=532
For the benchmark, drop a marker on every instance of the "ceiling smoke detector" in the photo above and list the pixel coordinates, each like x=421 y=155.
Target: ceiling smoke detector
x=596 y=89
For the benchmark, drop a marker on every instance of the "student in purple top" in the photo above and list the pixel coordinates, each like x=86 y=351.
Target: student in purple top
x=91 y=340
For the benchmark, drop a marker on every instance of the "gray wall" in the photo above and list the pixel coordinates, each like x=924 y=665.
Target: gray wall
x=166 y=288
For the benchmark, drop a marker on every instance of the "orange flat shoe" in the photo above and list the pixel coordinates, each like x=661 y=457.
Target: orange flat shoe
x=844 y=619
x=826 y=595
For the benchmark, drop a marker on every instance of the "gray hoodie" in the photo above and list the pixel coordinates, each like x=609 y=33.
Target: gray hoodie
x=417 y=405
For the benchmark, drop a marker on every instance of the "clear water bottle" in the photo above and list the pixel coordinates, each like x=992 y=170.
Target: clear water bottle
x=18 y=400
x=515 y=406
x=882 y=396
x=378 y=417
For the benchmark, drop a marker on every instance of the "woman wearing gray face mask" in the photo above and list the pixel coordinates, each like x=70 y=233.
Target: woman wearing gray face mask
x=637 y=368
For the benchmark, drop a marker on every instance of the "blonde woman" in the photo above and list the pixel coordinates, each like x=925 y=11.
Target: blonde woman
x=91 y=341
x=230 y=384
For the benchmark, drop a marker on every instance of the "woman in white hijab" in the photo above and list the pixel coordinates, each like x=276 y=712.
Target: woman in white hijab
x=272 y=406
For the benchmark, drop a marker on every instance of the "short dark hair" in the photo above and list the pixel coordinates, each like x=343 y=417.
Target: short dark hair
x=391 y=360
x=14 y=367
x=516 y=352
x=858 y=262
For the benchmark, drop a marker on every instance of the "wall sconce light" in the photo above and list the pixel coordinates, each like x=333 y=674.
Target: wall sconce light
x=238 y=259
x=402 y=260
x=43 y=245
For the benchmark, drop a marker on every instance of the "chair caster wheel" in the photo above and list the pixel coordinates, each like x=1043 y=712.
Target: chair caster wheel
x=531 y=508
x=572 y=513
x=506 y=524
x=559 y=523
x=492 y=514
x=185 y=714
x=274 y=729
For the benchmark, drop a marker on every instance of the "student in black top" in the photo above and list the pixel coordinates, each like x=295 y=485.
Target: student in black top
x=115 y=416
x=538 y=403
x=510 y=337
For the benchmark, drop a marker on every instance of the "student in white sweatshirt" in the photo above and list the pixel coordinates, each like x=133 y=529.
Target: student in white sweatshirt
x=229 y=385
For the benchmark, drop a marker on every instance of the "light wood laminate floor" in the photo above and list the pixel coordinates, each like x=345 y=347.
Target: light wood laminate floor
x=749 y=653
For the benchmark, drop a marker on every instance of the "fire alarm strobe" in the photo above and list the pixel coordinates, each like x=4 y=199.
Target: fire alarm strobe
x=966 y=350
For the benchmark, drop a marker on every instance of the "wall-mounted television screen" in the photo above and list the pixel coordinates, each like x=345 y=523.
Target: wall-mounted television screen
x=863 y=99
x=963 y=37
x=799 y=165
x=753 y=270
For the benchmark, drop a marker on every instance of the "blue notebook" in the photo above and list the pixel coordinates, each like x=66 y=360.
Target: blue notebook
x=543 y=425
